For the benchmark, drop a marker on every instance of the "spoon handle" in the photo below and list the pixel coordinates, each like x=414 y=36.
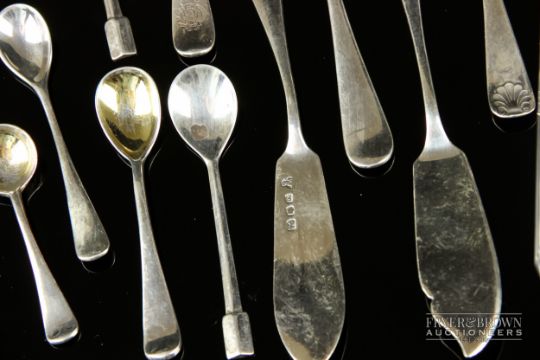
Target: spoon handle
x=509 y=89
x=236 y=326
x=194 y=32
x=271 y=15
x=58 y=320
x=89 y=236
x=435 y=135
x=161 y=334
x=366 y=134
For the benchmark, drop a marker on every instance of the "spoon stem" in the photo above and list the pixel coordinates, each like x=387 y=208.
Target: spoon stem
x=58 y=320
x=271 y=15
x=161 y=334
x=226 y=259
x=236 y=325
x=89 y=236
x=435 y=135
x=112 y=8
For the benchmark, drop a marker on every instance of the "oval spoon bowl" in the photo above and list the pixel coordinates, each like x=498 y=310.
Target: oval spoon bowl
x=127 y=103
x=25 y=43
x=203 y=107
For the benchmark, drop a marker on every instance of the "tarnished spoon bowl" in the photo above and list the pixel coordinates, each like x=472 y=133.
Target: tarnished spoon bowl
x=129 y=110
x=18 y=159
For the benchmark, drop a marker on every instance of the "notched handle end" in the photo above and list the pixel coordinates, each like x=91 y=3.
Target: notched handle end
x=237 y=335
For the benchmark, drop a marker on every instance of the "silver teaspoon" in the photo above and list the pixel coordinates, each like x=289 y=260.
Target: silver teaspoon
x=203 y=108
x=26 y=49
x=193 y=27
x=366 y=134
x=456 y=259
x=129 y=112
x=309 y=294
x=18 y=161
x=509 y=89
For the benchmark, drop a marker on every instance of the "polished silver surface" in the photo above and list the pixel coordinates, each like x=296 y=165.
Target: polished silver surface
x=366 y=134
x=129 y=111
x=118 y=32
x=309 y=295
x=26 y=49
x=203 y=108
x=456 y=259
x=193 y=28
x=509 y=90
x=18 y=161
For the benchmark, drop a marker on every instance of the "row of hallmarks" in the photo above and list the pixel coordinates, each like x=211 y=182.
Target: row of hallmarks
x=290 y=209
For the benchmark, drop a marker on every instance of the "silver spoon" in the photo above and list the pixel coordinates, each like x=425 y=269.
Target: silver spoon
x=366 y=134
x=129 y=112
x=25 y=48
x=192 y=27
x=203 y=108
x=456 y=259
x=509 y=90
x=18 y=161
x=309 y=294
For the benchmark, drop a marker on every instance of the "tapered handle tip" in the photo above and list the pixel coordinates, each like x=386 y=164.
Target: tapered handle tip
x=91 y=245
x=237 y=335
x=164 y=347
x=63 y=333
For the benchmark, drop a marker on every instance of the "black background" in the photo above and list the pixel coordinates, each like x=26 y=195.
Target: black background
x=373 y=216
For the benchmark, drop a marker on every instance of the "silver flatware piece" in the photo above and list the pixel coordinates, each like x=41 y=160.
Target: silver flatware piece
x=129 y=112
x=309 y=295
x=456 y=259
x=118 y=32
x=366 y=134
x=510 y=92
x=26 y=49
x=18 y=162
x=203 y=108
x=194 y=33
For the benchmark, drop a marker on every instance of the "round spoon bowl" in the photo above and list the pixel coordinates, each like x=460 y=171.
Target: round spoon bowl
x=25 y=43
x=203 y=107
x=129 y=111
x=18 y=159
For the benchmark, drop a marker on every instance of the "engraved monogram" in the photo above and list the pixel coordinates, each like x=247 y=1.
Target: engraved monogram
x=290 y=209
x=190 y=15
x=511 y=98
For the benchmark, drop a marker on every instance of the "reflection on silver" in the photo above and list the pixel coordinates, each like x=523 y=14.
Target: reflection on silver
x=309 y=295
x=26 y=49
x=129 y=112
x=18 y=161
x=193 y=27
x=366 y=134
x=203 y=108
x=457 y=264
x=509 y=90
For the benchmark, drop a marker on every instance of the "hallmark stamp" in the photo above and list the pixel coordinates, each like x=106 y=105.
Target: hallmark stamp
x=290 y=209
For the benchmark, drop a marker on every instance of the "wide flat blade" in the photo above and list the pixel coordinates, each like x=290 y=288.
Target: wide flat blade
x=309 y=296
x=457 y=263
